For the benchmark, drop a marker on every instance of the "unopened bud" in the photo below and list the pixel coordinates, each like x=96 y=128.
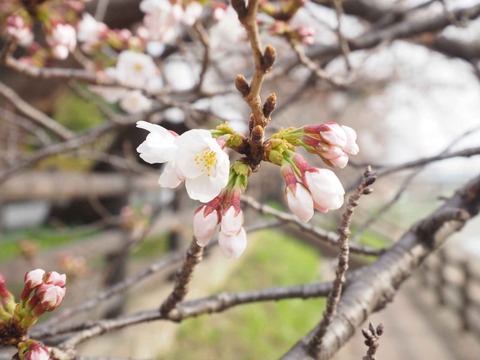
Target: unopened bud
x=269 y=105
x=268 y=58
x=257 y=134
x=240 y=7
x=242 y=85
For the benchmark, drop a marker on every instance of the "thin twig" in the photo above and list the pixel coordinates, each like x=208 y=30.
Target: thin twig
x=312 y=66
x=184 y=275
x=329 y=238
x=193 y=308
x=341 y=39
x=205 y=40
x=35 y=115
x=372 y=335
x=343 y=248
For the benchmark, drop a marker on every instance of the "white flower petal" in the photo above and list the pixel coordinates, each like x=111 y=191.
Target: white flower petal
x=233 y=246
x=327 y=191
x=169 y=177
x=300 y=202
x=231 y=222
x=204 y=226
x=202 y=188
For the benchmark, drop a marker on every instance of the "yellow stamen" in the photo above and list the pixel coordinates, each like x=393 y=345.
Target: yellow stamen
x=207 y=160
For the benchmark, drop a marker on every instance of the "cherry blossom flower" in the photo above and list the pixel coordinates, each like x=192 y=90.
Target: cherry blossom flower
x=62 y=40
x=233 y=246
x=194 y=156
x=203 y=163
x=134 y=102
x=89 y=30
x=135 y=70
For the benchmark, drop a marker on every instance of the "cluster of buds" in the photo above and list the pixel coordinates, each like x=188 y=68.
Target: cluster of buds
x=308 y=187
x=19 y=30
x=42 y=292
x=331 y=141
x=225 y=210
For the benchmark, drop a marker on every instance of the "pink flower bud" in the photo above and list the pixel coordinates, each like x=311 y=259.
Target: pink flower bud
x=204 y=224
x=49 y=297
x=233 y=246
x=327 y=191
x=33 y=350
x=350 y=146
x=299 y=201
x=33 y=279
x=54 y=278
x=232 y=221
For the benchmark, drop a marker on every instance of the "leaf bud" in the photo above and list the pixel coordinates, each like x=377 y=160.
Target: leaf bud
x=269 y=105
x=242 y=85
x=268 y=58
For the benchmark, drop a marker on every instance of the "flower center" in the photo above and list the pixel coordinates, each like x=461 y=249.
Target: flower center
x=206 y=160
x=138 y=68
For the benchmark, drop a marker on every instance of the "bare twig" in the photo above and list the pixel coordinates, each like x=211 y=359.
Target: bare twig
x=35 y=115
x=312 y=66
x=205 y=40
x=372 y=335
x=343 y=252
x=329 y=238
x=341 y=39
x=184 y=275
x=188 y=309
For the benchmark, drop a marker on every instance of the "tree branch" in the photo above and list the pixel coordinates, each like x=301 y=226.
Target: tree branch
x=376 y=285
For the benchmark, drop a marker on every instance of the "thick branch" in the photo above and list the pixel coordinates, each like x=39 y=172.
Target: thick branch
x=376 y=284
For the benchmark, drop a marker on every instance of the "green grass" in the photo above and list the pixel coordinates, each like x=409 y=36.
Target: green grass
x=151 y=247
x=262 y=330
x=76 y=113
x=43 y=237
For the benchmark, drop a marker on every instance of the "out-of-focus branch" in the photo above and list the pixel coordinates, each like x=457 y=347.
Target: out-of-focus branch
x=35 y=115
x=316 y=69
x=377 y=284
x=343 y=252
x=58 y=148
x=341 y=39
x=402 y=30
x=387 y=170
x=329 y=238
x=205 y=40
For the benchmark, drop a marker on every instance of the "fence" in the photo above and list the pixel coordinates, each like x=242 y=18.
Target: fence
x=454 y=277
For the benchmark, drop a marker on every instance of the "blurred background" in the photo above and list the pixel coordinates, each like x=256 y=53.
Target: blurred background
x=96 y=212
